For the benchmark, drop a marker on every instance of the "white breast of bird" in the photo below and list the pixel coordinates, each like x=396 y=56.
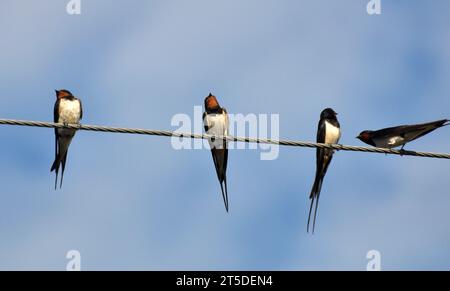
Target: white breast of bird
x=69 y=111
x=389 y=143
x=217 y=124
x=332 y=133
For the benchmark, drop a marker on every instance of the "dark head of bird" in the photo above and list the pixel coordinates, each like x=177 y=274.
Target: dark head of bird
x=63 y=94
x=211 y=103
x=365 y=136
x=328 y=113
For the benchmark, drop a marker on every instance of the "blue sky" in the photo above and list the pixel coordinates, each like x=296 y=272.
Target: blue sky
x=132 y=202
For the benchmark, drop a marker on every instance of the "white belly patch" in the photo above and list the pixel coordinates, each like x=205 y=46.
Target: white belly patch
x=69 y=111
x=332 y=133
x=217 y=124
x=389 y=143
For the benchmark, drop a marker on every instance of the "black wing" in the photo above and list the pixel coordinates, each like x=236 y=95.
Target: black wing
x=411 y=132
x=323 y=159
x=206 y=126
x=320 y=139
x=55 y=120
x=56 y=111
x=81 y=109
x=425 y=128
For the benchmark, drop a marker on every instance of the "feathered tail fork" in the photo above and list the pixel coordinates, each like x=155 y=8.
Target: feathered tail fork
x=62 y=147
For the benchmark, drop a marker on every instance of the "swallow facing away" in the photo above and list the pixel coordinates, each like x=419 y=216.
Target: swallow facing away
x=400 y=135
x=328 y=132
x=67 y=110
x=215 y=119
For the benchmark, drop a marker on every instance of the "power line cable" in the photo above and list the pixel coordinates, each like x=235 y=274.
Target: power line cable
x=166 y=133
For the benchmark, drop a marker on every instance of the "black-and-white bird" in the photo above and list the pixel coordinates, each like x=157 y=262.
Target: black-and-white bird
x=67 y=110
x=329 y=132
x=215 y=119
x=399 y=135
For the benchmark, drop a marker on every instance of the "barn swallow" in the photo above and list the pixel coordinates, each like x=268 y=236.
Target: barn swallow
x=215 y=119
x=400 y=135
x=67 y=110
x=328 y=132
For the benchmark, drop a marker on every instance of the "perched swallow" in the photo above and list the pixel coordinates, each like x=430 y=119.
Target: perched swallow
x=67 y=110
x=400 y=135
x=215 y=119
x=328 y=132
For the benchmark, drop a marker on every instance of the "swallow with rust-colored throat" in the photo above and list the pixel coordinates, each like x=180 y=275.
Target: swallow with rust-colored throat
x=215 y=119
x=67 y=110
x=399 y=135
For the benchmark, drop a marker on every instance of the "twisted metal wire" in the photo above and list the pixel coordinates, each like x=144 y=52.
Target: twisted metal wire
x=229 y=138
